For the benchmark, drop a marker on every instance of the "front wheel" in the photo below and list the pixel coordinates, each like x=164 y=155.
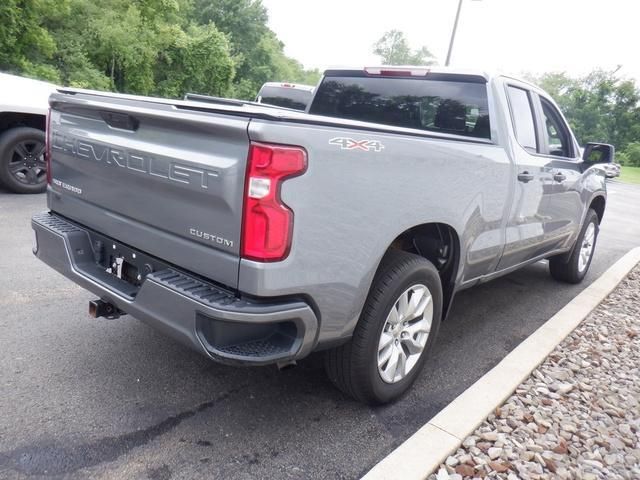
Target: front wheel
x=395 y=333
x=575 y=268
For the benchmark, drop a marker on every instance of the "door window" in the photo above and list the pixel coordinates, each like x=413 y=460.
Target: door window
x=556 y=131
x=523 y=120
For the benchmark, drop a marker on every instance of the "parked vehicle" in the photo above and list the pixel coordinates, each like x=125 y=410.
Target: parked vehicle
x=259 y=235
x=23 y=110
x=611 y=170
x=288 y=95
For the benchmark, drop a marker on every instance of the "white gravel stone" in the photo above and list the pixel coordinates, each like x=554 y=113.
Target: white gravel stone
x=452 y=461
x=494 y=452
x=442 y=474
x=489 y=436
x=469 y=442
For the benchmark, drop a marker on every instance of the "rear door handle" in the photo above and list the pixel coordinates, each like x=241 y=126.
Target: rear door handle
x=559 y=177
x=525 y=177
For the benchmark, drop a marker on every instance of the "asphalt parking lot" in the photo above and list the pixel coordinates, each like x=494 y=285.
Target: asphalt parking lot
x=83 y=398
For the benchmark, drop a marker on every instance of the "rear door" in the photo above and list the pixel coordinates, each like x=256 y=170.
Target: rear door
x=165 y=180
x=531 y=224
x=563 y=201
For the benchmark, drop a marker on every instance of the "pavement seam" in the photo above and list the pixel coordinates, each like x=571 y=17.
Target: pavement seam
x=426 y=449
x=445 y=431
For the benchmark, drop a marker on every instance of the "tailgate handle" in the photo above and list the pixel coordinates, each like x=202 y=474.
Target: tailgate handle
x=122 y=121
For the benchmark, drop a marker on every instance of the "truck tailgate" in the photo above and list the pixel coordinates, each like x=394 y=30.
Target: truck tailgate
x=165 y=180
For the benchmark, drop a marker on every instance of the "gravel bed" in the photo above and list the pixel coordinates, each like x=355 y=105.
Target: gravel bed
x=577 y=416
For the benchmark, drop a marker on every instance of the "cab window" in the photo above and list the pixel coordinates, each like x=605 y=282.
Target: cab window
x=523 y=120
x=556 y=132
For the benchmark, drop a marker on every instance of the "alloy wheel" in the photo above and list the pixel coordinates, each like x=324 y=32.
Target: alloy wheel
x=27 y=164
x=405 y=333
x=586 y=249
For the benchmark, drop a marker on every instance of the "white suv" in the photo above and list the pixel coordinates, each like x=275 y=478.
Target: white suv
x=23 y=112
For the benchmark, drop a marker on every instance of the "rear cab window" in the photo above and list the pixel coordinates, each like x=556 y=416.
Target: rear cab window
x=445 y=103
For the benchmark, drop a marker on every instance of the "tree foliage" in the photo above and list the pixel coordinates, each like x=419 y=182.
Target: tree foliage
x=258 y=54
x=630 y=155
x=158 y=47
x=25 y=44
x=601 y=107
x=393 y=49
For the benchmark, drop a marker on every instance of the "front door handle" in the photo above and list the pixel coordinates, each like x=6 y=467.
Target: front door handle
x=559 y=177
x=525 y=177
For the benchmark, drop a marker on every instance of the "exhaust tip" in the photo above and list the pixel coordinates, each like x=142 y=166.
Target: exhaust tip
x=287 y=365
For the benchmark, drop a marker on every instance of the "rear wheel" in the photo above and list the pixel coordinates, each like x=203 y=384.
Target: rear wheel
x=576 y=267
x=22 y=164
x=395 y=333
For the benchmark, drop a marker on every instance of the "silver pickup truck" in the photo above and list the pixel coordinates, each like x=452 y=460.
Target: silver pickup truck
x=257 y=235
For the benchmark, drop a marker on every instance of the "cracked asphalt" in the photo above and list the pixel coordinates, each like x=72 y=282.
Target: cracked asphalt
x=84 y=398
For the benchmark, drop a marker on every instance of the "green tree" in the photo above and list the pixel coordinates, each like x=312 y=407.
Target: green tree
x=197 y=61
x=258 y=54
x=27 y=47
x=600 y=106
x=630 y=155
x=158 y=47
x=393 y=49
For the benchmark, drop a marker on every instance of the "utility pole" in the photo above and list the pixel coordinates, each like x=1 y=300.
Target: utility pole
x=453 y=33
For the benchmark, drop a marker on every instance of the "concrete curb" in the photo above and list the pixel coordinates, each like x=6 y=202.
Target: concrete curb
x=426 y=449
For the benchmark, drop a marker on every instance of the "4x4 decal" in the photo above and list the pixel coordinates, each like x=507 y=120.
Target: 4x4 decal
x=346 y=143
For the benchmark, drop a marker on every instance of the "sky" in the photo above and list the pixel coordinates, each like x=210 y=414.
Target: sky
x=505 y=36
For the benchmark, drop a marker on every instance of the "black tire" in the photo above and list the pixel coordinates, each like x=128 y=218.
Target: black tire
x=568 y=269
x=353 y=367
x=23 y=148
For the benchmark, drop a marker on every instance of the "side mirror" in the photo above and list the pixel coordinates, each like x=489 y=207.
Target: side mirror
x=598 y=153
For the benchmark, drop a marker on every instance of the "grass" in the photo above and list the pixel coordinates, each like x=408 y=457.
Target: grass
x=630 y=174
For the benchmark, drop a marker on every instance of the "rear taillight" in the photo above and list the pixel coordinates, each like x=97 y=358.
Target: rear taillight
x=267 y=223
x=47 y=148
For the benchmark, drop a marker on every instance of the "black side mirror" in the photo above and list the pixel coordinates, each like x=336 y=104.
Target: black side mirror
x=598 y=153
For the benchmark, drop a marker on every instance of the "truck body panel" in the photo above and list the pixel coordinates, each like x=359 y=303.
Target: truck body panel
x=340 y=220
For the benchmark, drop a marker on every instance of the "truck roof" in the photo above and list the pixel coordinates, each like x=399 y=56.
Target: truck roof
x=425 y=70
x=420 y=70
x=417 y=70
